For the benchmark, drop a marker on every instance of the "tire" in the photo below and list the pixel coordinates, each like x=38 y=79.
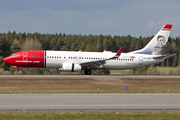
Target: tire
x=87 y=72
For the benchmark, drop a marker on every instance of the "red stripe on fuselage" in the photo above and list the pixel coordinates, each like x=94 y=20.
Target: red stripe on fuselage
x=27 y=59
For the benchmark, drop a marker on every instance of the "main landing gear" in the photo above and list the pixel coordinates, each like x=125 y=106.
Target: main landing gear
x=87 y=72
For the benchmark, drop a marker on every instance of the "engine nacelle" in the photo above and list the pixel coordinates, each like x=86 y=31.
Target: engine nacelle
x=71 y=67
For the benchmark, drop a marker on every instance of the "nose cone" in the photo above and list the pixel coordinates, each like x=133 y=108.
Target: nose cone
x=6 y=60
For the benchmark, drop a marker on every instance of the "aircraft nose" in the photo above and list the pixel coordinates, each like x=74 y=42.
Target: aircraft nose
x=6 y=60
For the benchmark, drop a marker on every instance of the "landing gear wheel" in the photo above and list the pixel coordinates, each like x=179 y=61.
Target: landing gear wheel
x=87 y=72
x=20 y=72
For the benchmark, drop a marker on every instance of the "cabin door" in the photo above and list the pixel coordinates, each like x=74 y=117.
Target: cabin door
x=25 y=56
x=140 y=60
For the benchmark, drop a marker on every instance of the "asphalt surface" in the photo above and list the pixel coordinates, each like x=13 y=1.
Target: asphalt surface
x=107 y=102
x=92 y=76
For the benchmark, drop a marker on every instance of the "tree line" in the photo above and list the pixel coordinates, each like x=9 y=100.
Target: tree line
x=13 y=42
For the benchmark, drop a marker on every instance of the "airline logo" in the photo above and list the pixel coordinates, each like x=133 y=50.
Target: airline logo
x=132 y=56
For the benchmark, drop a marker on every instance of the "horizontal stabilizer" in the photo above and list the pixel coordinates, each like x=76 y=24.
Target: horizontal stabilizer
x=162 y=56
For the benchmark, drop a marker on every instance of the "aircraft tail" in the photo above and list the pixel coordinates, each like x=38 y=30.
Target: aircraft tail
x=158 y=43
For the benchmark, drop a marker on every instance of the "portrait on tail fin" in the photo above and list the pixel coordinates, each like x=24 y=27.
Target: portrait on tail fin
x=160 y=47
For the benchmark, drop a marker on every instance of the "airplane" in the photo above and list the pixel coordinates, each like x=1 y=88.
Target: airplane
x=76 y=61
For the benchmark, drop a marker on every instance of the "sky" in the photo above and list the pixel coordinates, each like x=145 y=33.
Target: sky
x=106 y=17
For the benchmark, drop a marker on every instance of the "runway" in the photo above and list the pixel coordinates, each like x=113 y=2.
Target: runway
x=90 y=76
x=107 y=102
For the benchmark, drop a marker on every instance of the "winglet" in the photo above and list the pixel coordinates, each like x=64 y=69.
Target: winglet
x=119 y=52
x=105 y=50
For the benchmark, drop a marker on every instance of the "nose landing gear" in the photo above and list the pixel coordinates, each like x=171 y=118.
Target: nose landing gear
x=20 y=72
x=87 y=72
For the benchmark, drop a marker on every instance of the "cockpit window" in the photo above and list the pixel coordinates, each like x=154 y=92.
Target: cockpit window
x=13 y=55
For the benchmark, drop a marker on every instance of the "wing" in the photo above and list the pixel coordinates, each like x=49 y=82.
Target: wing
x=98 y=63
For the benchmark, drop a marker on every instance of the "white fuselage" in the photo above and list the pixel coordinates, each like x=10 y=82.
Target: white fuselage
x=55 y=59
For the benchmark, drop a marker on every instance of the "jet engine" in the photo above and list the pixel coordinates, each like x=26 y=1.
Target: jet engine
x=71 y=67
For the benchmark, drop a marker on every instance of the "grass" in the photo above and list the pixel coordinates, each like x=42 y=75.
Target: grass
x=89 y=85
x=165 y=70
x=121 y=72
x=88 y=115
